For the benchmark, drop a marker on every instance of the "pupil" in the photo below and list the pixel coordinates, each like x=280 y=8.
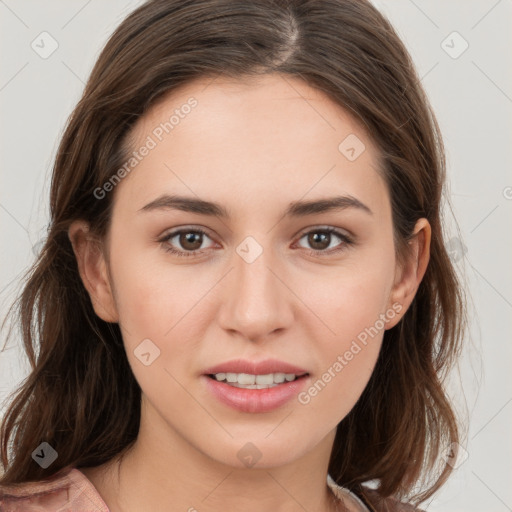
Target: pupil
x=190 y=238
x=319 y=238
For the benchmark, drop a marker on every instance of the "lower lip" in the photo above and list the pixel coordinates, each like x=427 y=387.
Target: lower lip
x=255 y=400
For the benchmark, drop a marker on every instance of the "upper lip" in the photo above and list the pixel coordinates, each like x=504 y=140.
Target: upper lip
x=255 y=367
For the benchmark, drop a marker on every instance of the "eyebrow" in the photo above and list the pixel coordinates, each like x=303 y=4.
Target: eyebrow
x=295 y=208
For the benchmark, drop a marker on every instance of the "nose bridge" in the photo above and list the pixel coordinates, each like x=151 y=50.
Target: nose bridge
x=257 y=301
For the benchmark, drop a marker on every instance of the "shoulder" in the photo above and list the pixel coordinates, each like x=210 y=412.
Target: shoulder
x=368 y=499
x=67 y=490
x=389 y=504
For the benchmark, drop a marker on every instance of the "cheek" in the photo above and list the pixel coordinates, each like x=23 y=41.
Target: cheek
x=348 y=356
x=352 y=302
x=352 y=297
x=150 y=297
x=333 y=393
x=154 y=303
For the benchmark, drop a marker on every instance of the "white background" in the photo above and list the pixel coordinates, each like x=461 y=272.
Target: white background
x=472 y=97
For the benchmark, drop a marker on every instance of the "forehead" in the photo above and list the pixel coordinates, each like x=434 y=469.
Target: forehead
x=268 y=105
x=271 y=133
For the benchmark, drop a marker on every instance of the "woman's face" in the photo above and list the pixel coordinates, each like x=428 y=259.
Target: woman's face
x=265 y=281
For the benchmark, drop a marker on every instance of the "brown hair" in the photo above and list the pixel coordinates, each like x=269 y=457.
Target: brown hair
x=81 y=396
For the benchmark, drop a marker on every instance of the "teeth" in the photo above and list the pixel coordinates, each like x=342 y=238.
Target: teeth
x=249 y=381
x=252 y=386
x=265 y=379
x=246 y=378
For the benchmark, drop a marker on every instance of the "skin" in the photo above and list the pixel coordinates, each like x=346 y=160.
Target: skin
x=254 y=148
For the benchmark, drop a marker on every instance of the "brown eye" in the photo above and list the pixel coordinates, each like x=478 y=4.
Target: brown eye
x=191 y=240
x=319 y=240
x=185 y=242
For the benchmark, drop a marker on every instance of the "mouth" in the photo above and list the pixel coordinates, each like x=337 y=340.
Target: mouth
x=255 y=386
x=254 y=381
x=255 y=392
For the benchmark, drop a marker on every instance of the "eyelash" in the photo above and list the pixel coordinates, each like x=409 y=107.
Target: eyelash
x=347 y=241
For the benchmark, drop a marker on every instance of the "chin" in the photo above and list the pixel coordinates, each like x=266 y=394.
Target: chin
x=262 y=451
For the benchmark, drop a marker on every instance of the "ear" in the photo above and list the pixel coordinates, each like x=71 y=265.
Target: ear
x=93 y=270
x=408 y=275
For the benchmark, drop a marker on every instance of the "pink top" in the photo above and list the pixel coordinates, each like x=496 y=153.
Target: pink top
x=68 y=492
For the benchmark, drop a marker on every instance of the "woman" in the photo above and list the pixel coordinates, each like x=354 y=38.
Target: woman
x=245 y=297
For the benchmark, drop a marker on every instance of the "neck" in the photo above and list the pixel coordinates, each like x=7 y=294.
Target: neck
x=135 y=482
x=162 y=471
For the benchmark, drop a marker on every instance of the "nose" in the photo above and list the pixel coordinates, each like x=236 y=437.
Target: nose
x=257 y=301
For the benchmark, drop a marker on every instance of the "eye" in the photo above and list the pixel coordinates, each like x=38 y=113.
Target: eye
x=320 y=240
x=189 y=239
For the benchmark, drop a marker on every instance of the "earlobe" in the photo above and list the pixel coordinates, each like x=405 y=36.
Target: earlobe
x=93 y=270
x=409 y=275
